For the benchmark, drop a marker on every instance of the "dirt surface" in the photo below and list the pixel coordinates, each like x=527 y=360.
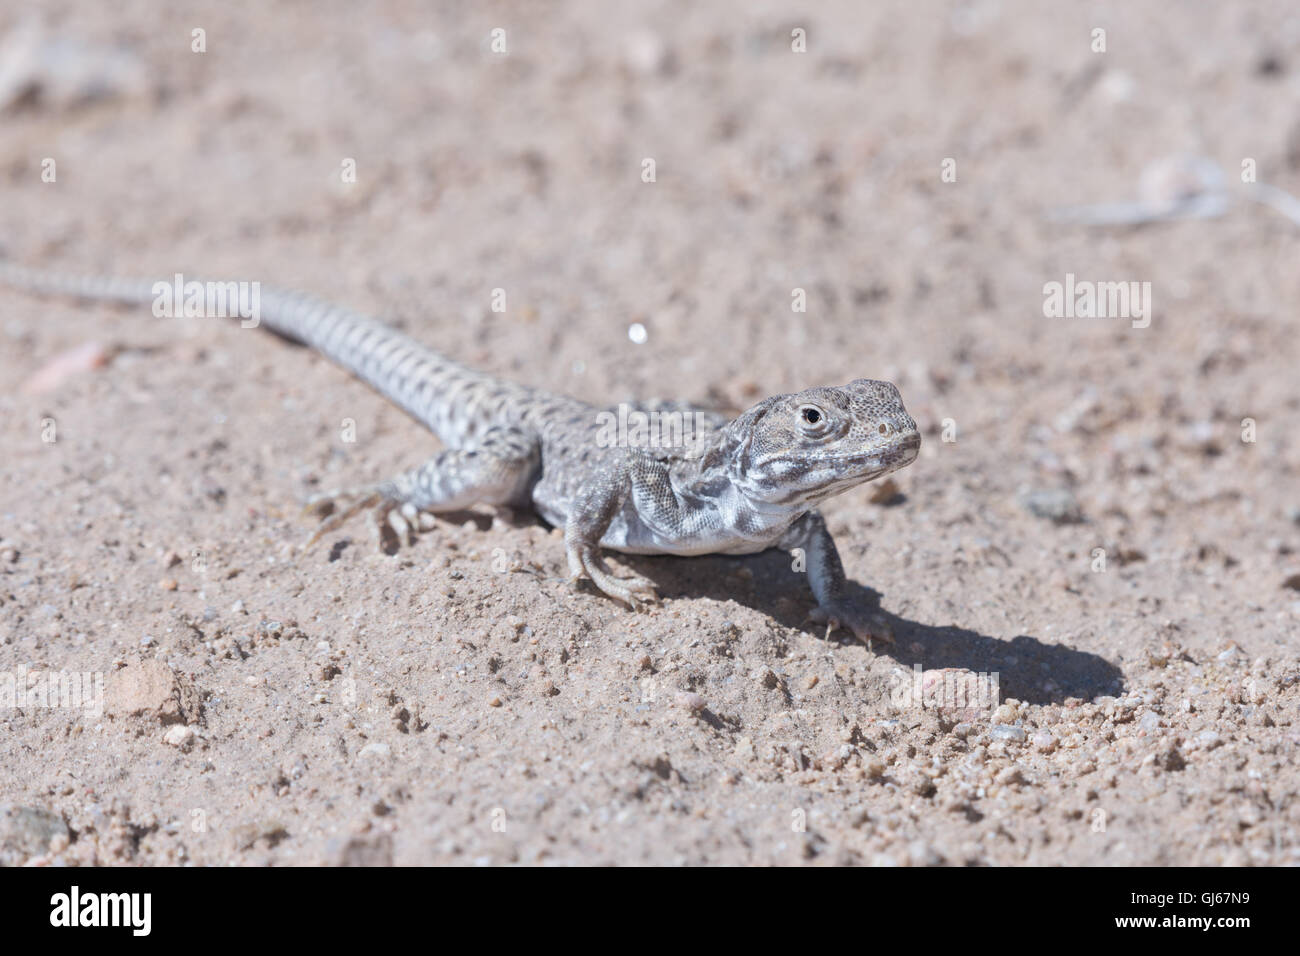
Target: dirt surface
x=458 y=701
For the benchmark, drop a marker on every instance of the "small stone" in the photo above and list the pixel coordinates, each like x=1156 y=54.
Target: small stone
x=1005 y=714
x=180 y=736
x=495 y=702
x=769 y=679
x=885 y=493
x=1058 y=505
x=1044 y=742
x=1150 y=722
x=375 y=750
x=689 y=701
x=168 y=584
x=1008 y=732
x=810 y=681
x=150 y=688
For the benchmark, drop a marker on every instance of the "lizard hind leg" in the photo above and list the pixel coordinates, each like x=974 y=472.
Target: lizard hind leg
x=497 y=469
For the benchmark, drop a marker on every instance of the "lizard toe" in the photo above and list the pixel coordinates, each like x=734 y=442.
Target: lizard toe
x=328 y=506
x=866 y=625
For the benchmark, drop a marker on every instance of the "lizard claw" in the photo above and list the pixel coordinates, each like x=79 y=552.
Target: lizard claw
x=390 y=522
x=865 y=625
x=634 y=590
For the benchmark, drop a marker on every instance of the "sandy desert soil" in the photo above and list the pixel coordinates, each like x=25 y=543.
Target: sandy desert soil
x=1097 y=533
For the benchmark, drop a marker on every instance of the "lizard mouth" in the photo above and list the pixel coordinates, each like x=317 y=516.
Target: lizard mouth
x=868 y=466
x=881 y=460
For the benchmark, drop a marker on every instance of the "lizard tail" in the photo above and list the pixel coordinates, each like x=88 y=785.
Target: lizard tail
x=455 y=402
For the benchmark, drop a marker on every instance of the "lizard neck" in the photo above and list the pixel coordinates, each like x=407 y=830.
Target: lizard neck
x=715 y=475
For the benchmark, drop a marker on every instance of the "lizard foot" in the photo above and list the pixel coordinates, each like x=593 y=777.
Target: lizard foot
x=634 y=590
x=865 y=625
x=391 y=522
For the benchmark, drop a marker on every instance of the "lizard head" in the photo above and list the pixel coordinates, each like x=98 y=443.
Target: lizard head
x=799 y=449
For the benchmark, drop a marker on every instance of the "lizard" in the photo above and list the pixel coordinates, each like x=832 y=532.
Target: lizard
x=740 y=486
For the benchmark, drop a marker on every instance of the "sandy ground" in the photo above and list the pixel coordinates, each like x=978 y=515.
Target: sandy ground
x=458 y=702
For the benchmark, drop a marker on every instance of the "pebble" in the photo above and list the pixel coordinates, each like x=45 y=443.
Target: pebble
x=692 y=702
x=884 y=492
x=1058 y=505
x=180 y=736
x=151 y=689
x=375 y=750
x=168 y=584
x=1008 y=732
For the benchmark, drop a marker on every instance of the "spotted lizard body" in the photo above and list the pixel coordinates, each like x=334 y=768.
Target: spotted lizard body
x=731 y=487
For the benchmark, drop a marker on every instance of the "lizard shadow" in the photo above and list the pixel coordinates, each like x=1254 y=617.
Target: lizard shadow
x=1028 y=669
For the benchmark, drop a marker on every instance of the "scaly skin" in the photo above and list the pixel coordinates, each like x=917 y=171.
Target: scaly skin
x=736 y=487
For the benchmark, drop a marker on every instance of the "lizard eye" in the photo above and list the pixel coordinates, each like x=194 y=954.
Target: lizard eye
x=885 y=428
x=812 y=416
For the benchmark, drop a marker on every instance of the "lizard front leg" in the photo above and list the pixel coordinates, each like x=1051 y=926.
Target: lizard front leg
x=826 y=577
x=589 y=518
x=495 y=470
